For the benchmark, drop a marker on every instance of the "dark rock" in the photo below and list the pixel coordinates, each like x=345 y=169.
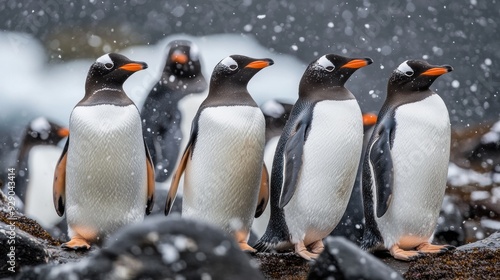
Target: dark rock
x=159 y=248
x=19 y=249
x=24 y=241
x=344 y=260
x=491 y=242
x=449 y=228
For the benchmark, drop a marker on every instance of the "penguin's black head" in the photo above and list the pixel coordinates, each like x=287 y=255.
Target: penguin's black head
x=237 y=70
x=41 y=131
x=415 y=75
x=183 y=59
x=111 y=70
x=331 y=70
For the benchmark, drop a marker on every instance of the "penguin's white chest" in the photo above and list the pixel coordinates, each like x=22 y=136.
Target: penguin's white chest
x=420 y=156
x=39 y=205
x=106 y=176
x=222 y=178
x=330 y=160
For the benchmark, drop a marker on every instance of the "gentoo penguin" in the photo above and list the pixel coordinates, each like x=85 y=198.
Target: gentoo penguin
x=406 y=163
x=226 y=182
x=37 y=158
x=161 y=116
x=316 y=159
x=105 y=177
x=351 y=225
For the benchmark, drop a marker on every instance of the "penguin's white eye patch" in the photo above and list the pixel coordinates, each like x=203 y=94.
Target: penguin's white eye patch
x=405 y=69
x=230 y=63
x=194 y=53
x=40 y=124
x=326 y=64
x=106 y=61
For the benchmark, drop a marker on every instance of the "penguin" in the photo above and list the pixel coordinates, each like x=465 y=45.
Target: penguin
x=105 y=177
x=405 y=165
x=316 y=159
x=226 y=181
x=37 y=158
x=162 y=118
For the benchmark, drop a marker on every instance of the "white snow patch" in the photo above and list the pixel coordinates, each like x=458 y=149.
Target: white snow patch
x=261 y=16
x=272 y=108
x=461 y=177
x=169 y=253
x=492 y=224
x=479 y=195
x=455 y=84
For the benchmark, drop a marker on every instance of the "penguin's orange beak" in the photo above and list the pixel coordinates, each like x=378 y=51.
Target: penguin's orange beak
x=63 y=132
x=358 y=63
x=179 y=57
x=259 y=64
x=369 y=119
x=438 y=71
x=134 y=66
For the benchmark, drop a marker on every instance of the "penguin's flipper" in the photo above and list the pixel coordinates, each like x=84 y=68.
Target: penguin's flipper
x=59 y=186
x=294 y=148
x=381 y=162
x=263 y=193
x=177 y=177
x=151 y=181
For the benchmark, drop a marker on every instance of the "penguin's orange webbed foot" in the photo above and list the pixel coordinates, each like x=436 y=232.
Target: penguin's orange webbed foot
x=433 y=249
x=76 y=243
x=403 y=255
x=317 y=247
x=301 y=250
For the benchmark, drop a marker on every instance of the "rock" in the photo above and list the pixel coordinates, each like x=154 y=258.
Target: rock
x=24 y=241
x=159 y=248
x=478 y=260
x=342 y=259
x=491 y=242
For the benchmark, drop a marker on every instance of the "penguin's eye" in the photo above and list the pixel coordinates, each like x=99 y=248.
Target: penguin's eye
x=230 y=63
x=108 y=65
x=326 y=64
x=409 y=73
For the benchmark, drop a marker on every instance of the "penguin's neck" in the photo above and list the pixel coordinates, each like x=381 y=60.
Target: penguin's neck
x=97 y=93
x=325 y=93
x=228 y=94
x=398 y=96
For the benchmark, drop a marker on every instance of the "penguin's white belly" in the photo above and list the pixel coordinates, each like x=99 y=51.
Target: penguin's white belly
x=330 y=160
x=106 y=175
x=39 y=202
x=420 y=156
x=222 y=179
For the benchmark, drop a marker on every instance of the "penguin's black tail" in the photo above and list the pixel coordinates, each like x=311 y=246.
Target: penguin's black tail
x=371 y=241
x=268 y=243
